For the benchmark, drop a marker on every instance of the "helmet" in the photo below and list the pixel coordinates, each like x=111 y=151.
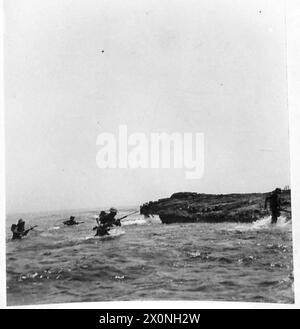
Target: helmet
x=114 y=210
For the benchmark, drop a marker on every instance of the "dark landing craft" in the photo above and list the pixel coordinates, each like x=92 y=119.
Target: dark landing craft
x=190 y=207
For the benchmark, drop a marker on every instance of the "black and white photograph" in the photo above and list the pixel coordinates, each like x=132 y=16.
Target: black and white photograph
x=147 y=152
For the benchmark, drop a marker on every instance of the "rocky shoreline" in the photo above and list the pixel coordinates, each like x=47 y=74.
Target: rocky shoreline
x=189 y=207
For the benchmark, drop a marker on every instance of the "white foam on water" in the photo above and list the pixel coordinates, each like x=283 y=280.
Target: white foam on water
x=283 y=222
x=134 y=221
x=265 y=223
x=154 y=219
x=54 y=228
x=116 y=231
x=141 y=220
x=46 y=235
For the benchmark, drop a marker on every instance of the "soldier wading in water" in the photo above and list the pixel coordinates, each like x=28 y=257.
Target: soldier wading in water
x=274 y=201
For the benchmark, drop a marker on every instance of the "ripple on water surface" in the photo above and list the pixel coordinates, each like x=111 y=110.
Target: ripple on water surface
x=148 y=260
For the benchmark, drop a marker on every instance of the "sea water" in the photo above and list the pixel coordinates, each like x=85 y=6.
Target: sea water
x=147 y=260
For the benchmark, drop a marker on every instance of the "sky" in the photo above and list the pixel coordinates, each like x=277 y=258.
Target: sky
x=75 y=69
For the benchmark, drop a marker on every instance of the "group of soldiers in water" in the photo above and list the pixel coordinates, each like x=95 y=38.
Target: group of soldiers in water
x=105 y=221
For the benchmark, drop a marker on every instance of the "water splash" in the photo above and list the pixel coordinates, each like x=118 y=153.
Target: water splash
x=264 y=223
x=53 y=228
x=188 y=261
x=141 y=220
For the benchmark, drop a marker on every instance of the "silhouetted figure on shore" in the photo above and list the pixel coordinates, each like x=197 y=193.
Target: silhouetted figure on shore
x=274 y=201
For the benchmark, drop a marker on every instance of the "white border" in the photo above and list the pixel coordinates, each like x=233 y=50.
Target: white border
x=2 y=177
x=293 y=70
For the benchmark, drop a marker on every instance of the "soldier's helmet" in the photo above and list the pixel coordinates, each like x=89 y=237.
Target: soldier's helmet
x=113 y=210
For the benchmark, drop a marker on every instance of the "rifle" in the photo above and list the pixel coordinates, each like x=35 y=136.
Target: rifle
x=289 y=211
x=128 y=215
x=29 y=229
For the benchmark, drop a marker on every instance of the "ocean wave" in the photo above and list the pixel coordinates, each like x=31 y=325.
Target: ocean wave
x=53 y=228
x=263 y=224
x=144 y=259
x=141 y=220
